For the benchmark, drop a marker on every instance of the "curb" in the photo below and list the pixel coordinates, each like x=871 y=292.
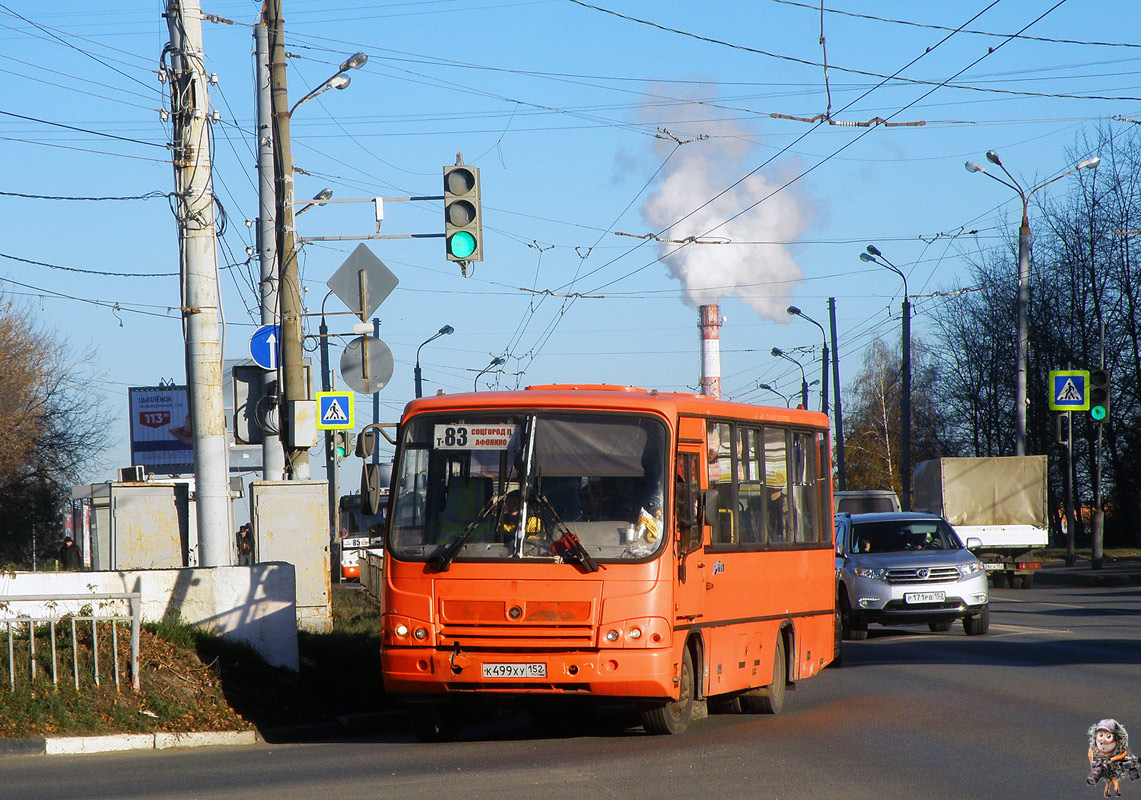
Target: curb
x=81 y=745
x=352 y=725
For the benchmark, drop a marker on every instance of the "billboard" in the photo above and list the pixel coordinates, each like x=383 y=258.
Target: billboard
x=161 y=439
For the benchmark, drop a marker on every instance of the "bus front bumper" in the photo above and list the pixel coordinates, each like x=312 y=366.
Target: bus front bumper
x=604 y=673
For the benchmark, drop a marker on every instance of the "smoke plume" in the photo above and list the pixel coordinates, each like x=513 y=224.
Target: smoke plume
x=761 y=275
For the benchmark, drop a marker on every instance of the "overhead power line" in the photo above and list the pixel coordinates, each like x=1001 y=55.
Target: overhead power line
x=808 y=63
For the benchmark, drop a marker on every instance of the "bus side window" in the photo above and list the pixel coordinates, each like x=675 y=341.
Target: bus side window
x=686 y=507
x=805 y=498
x=776 y=484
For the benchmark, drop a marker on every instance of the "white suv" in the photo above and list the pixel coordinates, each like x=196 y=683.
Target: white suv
x=905 y=568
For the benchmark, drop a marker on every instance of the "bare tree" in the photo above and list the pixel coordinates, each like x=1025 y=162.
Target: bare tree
x=56 y=427
x=872 y=425
x=1085 y=302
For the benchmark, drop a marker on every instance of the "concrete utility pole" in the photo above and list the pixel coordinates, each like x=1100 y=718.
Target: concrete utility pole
x=295 y=392
x=272 y=456
x=199 y=270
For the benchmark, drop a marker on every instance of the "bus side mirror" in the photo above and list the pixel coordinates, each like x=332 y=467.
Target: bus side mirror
x=366 y=443
x=709 y=506
x=370 y=489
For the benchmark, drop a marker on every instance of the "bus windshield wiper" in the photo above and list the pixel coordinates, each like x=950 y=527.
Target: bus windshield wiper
x=568 y=546
x=441 y=562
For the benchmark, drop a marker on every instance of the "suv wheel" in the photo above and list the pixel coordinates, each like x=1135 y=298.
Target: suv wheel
x=851 y=627
x=978 y=624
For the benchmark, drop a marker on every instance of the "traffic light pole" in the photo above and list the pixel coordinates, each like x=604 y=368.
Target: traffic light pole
x=330 y=449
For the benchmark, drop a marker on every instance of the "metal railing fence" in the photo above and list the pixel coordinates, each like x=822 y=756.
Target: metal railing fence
x=44 y=622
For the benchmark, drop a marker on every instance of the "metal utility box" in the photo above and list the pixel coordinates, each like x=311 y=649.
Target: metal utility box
x=291 y=524
x=142 y=526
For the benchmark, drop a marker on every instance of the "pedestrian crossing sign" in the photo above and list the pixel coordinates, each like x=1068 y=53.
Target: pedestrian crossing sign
x=334 y=411
x=1069 y=390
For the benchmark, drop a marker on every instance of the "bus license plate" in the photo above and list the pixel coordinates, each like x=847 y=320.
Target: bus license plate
x=925 y=597
x=529 y=670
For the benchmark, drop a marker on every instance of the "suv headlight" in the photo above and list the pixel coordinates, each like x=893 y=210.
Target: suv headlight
x=967 y=570
x=876 y=574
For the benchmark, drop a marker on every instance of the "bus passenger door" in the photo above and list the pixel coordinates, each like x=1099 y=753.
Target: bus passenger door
x=690 y=535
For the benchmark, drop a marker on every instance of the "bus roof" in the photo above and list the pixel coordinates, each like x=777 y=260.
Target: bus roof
x=611 y=397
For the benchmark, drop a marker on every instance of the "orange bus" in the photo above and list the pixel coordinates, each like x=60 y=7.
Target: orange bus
x=602 y=544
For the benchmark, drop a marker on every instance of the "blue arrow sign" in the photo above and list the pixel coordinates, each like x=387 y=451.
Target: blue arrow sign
x=265 y=349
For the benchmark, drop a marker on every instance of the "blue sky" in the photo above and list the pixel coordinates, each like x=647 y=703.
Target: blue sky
x=600 y=128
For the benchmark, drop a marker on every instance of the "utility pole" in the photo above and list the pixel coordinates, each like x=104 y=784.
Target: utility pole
x=295 y=394
x=841 y=478
x=272 y=456
x=199 y=271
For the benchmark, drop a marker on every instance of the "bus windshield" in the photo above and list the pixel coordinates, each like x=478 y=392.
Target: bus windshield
x=494 y=486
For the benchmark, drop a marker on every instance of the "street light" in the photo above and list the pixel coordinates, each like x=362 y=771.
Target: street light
x=498 y=361
x=444 y=331
x=873 y=256
x=796 y=312
x=318 y=200
x=294 y=389
x=782 y=396
x=338 y=81
x=1023 y=282
x=778 y=353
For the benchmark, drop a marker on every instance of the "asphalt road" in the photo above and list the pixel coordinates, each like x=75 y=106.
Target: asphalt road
x=910 y=714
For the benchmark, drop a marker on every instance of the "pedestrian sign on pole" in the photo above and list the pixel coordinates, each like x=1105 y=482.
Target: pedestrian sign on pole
x=334 y=411
x=1069 y=390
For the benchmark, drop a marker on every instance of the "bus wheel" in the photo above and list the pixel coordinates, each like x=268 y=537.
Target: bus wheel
x=837 y=640
x=434 y=722
x=672 y=716
x=769 y=700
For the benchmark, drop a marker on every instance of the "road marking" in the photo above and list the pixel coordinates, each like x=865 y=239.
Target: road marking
x=1023 y=629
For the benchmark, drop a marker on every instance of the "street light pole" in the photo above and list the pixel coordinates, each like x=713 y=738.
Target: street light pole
x=905 y=395
x=1023 y=299
x=778 y=353
x=444 y=331
x=796 y=312
x=295 y=391
x=785 y=397
x=498 y=361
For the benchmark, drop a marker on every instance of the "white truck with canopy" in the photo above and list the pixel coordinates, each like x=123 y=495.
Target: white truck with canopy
x=999 y=500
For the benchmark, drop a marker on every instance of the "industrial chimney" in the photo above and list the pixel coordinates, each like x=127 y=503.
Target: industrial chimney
x=710 y=352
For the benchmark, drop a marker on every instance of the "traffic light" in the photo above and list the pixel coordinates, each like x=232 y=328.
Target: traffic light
x=463 y=215
x=1099 y=394
x=342 y=443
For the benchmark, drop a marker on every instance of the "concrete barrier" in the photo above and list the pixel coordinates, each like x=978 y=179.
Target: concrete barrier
x=255 y=605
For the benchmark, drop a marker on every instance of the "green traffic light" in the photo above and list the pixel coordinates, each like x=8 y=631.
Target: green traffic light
x=462 y=244
x=1098 y=413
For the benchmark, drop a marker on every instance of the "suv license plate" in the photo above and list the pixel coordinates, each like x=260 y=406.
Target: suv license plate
x=529 y=670
x=925 y=597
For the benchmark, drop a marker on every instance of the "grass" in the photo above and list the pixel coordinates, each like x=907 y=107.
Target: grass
x=193 y=680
